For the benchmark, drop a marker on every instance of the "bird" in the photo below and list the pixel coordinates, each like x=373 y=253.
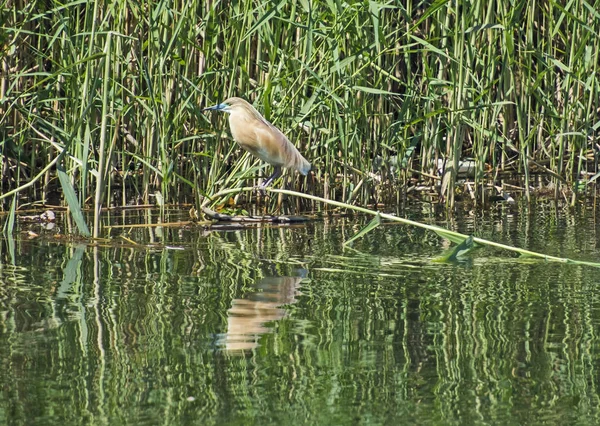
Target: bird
x=260 y=138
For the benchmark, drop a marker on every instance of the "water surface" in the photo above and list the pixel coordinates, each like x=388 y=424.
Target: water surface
x=282 y=325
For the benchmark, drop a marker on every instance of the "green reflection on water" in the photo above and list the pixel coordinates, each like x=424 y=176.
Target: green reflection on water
x=281 y=325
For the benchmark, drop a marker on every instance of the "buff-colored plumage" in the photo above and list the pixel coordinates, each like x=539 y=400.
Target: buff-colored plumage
x=259 y=137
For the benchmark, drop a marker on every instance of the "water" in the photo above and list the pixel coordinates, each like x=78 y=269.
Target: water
x=282 y=325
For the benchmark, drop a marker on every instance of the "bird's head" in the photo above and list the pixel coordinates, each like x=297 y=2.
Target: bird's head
x=230 y=105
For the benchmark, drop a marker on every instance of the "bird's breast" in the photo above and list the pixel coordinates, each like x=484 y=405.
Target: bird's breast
x=242 y=130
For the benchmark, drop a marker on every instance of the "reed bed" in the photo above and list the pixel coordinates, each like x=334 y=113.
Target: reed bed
x=101 y=102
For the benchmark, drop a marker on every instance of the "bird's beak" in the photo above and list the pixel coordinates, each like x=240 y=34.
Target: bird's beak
x=218 y=107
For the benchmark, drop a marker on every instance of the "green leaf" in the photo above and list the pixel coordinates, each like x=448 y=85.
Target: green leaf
x=374 y=223
x=264 y=20
x=430 y=47
x=458 y=251
x=451 y=236
x=374 y=91
x=9 y=225
x=72 y=201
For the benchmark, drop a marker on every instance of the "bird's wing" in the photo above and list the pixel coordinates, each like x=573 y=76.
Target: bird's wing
x=270 y=144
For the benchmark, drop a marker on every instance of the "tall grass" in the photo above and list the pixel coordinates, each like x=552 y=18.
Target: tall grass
x=116 y=89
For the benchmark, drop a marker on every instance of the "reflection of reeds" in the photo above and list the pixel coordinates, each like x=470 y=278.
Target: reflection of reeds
x=136 y=328
x=118 y=92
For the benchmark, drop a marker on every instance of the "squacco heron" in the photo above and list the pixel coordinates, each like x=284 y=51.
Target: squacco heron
x=260 y=138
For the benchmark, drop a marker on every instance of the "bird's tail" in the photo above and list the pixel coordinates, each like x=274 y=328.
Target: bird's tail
x=304 y=166
x=295 y=160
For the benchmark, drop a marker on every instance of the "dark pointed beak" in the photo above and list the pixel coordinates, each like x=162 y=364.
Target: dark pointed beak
x=218 y=107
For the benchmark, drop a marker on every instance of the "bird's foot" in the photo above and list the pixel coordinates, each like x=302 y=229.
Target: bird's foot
x=260 y=190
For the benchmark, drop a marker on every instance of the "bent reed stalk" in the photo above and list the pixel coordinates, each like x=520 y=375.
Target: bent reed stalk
x=452 y=236
x=367 y=90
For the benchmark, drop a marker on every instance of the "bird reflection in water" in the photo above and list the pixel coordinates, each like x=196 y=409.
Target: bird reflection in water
x=247 y=317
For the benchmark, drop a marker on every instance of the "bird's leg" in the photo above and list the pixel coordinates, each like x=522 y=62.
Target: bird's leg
x=271 y=178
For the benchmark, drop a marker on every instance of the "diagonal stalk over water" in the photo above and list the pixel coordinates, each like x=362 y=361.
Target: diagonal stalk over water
x=453 y=236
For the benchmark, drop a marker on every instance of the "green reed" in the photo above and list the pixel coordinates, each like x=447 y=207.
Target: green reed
x=369 y=91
